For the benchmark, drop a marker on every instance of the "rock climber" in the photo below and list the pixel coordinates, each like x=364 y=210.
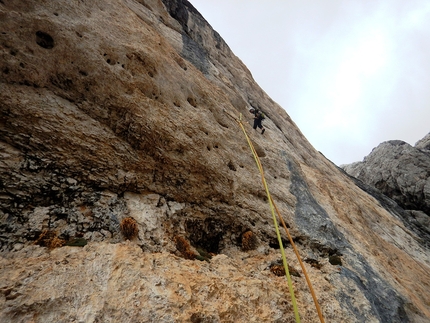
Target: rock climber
x=258 y=118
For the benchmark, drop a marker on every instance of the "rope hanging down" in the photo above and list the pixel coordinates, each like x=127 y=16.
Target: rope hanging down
x=278 y=234
x=273 y=207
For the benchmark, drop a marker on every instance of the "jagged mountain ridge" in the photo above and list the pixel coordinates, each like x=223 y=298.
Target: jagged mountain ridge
x=401 y=172
x=115 y=110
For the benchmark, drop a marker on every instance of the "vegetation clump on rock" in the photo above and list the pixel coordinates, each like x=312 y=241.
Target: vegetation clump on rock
x=49 y=239
x=249 y=241
x=184 y=248
x=129 y=228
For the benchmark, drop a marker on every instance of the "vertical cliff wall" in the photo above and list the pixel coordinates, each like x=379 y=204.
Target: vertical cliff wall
x=115 y=109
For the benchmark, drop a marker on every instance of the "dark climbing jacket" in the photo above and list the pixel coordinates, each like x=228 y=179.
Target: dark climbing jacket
x=259 y=114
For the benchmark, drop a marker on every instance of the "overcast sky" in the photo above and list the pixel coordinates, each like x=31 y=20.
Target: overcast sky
x=350 y=73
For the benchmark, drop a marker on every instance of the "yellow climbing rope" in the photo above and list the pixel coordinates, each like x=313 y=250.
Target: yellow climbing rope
x=274 y=208
x=275 y=222
x=308 y=281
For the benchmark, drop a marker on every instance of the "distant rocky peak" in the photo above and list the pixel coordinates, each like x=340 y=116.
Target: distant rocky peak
x=402 y=173
x=423 y=143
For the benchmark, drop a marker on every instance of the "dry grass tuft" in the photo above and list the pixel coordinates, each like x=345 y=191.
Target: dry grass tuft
x=184 y=248
x=279 y=270
x=129 y=228
x=249 y=241
x=49 y=239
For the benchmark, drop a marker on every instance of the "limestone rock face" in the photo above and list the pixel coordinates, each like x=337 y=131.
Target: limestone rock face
x=116 y=109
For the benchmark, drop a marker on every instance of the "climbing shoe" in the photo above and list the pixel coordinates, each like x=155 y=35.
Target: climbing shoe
x=262 y=131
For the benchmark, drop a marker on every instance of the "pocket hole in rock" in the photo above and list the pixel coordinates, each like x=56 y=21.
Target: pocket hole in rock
x=44 y=40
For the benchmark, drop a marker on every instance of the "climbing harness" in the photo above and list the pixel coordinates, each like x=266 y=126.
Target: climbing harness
x=274 y=208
